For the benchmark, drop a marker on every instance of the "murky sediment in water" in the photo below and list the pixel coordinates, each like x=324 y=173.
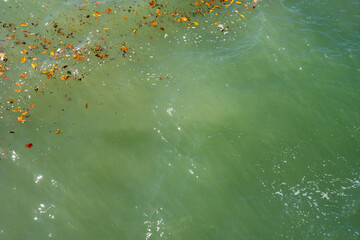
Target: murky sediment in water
x=156 y=120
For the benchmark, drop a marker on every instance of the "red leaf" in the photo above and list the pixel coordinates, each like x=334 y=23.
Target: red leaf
x=29 y=145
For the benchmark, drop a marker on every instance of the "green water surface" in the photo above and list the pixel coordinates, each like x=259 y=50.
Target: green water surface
x=249 y=133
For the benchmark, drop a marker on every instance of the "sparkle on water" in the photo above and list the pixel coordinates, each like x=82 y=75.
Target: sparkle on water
x=241 y=125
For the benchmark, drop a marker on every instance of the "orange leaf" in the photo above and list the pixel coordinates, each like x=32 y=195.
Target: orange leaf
x=23 y=24
x=154 y=23
x=58 y=131
x=18 y=90
x=23 y=59
x=152 y=3
x=23 y=75
x=64 y=77
x=125 y=18
x=20 y=119
x=11 y=100
x=16 y=110
x=123 y=48
x=32 y=105
x=80 y=58
x=197 y=3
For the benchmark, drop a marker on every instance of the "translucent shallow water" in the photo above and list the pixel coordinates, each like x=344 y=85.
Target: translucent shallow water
x=240 y=127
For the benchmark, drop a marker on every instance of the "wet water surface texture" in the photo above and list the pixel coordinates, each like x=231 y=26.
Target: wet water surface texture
x=178 y=120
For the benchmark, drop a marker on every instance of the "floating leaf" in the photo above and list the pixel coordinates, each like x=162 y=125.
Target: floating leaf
x=152 y=3
x=58 y=131
x=23 y=59
x=29 y=145
x=154 y=23
x=123 y=48
x=23 y=75
x=80 y=58
x=64 y=77
x=20 y=119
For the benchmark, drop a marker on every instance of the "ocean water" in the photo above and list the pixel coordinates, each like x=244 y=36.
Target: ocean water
x=235 y=123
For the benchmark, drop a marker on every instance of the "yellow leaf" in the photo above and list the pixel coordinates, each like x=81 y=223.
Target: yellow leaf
x=23 y=59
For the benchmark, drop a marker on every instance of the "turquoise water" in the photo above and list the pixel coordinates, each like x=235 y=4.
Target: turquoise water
x=200 y=132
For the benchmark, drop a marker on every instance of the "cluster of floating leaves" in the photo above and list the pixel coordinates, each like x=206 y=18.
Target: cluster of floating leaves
x=55 y=55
